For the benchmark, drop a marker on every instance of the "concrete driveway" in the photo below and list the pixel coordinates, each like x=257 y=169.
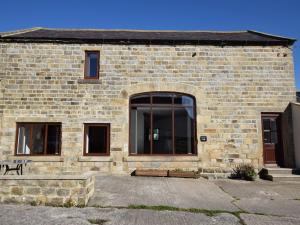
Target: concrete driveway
x=117 y=201
x=264 y=197
x=28 y=215
x=182 y=193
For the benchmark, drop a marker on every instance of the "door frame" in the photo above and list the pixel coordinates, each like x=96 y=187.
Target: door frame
x=279 y=161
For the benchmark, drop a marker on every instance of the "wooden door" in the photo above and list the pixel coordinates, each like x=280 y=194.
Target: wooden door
x=271 y=127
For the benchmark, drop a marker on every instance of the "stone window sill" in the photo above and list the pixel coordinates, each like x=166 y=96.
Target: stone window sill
x=39 y=158
x=94 y=159
x=89 y=81
x=193 y=158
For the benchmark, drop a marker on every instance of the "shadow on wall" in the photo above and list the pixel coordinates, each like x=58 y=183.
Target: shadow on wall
x=290 y=132
x=296 y=129
x=298 y=96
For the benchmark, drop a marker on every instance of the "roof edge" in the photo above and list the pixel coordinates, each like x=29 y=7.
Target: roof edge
x=143 y=30
x=272 y=35
x=21 y=31
x=295 y=103
x=273 y=39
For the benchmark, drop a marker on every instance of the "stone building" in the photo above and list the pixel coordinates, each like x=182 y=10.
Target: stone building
x=117 y=100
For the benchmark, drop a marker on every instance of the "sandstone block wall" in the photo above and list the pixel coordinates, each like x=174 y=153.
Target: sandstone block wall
x=43 y=82
x=59 y=190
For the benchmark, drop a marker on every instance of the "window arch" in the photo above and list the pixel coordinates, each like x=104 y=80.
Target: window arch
x=162 y=123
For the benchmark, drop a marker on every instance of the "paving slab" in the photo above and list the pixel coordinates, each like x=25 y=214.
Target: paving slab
x=281 y=207
x=177 y=192
x=250 y=219
x=266 y=197
x=278 y=201
x=260 y=188
x=41 y=215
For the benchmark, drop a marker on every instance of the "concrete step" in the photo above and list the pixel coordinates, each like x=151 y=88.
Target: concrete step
x=271 y=165
x=272 y=171
x=280 y=174
x=282 y=177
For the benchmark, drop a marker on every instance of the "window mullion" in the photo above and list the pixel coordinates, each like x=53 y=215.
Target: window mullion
x=107 y=132
x=30 y=140
x=195 y=130
x=173 y=130
x=86 y=135
x=173 y=126
x=101 y=150
x=45 y=139
x=151 y=125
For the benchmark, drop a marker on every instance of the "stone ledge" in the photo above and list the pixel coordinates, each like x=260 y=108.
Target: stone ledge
x=95 y=159
x=39 y=158
x=191 y=158
x=67 y=176
x=90 y=81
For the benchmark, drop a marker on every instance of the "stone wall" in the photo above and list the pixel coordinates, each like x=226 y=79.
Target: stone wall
x=55 y=190
x=296 y=128
x=43 y=82
x=288 y=141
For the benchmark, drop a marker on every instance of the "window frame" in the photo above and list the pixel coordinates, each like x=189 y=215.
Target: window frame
x=86 y=75
x=18 y=124
x=172 y=106
x=107 y=125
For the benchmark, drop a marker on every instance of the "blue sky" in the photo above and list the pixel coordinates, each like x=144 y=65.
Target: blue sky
x=281 y=17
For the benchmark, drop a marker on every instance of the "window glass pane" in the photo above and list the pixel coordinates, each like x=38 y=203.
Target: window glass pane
x=273 y=125
x=184 y=100
x=151 y=127
x=162 y=98
x=96 y=139
x=162 y=131
x=267 y=137
x=141 y=99
x=266 y=124
x=23 y=139
x=92 y=64
x=274 y=139
x=38 y=138
x=184 y=130
x=140 y=119
x=53 y=139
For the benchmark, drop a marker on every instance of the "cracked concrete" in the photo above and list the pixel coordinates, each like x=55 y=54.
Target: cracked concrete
x=264 y=203
x=177 y=192
x=264 y=197
x=28 y=215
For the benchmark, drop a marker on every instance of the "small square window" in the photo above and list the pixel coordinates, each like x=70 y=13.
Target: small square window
x=91 y=70
x=96 y=139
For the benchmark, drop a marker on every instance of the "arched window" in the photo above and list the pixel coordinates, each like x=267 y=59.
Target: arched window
x=162 y=123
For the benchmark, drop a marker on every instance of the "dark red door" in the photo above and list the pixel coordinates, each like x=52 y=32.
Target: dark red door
x=271 y=126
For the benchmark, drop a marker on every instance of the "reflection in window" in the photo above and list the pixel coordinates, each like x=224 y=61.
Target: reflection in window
x=184 y=100
x=23 y=139
x=96 y=139
x=270 y=131
x=162 y=123
x=53 y=139
x=162 y=130
x=142 y=99
x=38 y=139
x=162 y=98
x=92 y=65
x=140 y=118
x=184 y=131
